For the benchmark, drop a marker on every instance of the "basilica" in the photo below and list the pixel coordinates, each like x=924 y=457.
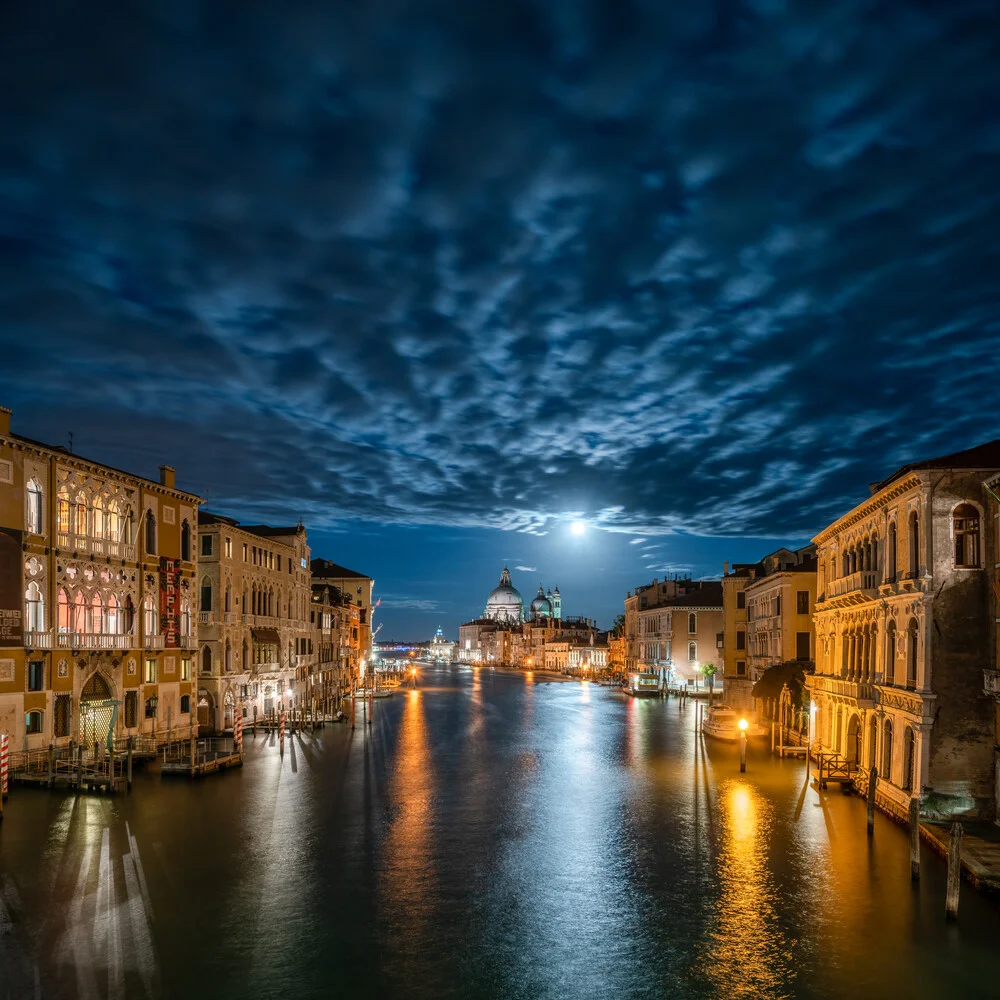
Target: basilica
x=505 y=604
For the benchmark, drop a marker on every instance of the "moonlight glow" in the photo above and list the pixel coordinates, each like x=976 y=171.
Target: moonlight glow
x=578 y=527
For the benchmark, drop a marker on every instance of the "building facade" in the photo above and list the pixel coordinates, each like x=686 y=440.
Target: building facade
x=358 y=589
x=256 y=639
x=905 y=623
x=98 y=568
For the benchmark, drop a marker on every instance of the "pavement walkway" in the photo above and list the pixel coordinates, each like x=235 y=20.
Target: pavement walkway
x=980 y=850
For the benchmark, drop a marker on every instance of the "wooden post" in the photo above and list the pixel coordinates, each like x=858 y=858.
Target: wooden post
x=915 y=838
x=743 y=753
x=79 y=768
x=128 y=764
x=52 y=765
x=194 y=750
x=872 y=785
x=954 y=872
x=772 y=736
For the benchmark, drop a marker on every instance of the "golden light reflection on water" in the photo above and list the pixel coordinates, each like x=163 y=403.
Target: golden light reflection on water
x=748 y=953
x=409 y=873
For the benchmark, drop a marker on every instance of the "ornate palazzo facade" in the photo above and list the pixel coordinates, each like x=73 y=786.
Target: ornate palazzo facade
x=903 y=620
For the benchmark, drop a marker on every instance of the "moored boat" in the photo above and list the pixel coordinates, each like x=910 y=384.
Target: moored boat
x=723 y=723
x=643 y=685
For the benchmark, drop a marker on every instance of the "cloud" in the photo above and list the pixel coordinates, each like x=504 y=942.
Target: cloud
x=362 y=261
x=411 y=603
x=526 y=569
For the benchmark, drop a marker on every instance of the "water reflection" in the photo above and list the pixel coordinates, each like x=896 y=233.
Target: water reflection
x=747 y=954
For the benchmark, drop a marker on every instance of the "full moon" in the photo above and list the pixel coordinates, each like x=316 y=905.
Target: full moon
x=578 y=527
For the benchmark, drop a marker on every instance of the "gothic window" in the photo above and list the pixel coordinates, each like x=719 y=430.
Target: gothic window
x=34 y=602
x=185 y=617
x=206 y=594
x=63 y=605
x=911 y=653
x=206 y=660
x=692 y=623
x=35 y=516
x=97 y=518
x=149 y=616
x=965 y=519
x=886 y=772
x=62 y=509
x=890 y=652
x=914 y=544
x=113 y=522
x=114 y=616
x=96 y=622
x=150 y=539
x=229 y=597
x=890 y=554
x=80 y=613
x=229 y=657
x=185 y=540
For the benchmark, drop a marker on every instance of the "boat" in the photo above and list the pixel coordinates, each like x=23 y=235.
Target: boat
x=644 y=685
x=722 y=723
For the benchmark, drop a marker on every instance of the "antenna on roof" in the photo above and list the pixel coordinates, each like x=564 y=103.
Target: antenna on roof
x=71 y=442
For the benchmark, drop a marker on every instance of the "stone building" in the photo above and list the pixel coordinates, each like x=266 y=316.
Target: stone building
x=357 y=589
x=736 y=675
x=780 y=597
x=255 y=636
x=97 y=585
x=905 y=623
x=325 y=680
x=991 y=675
x=441 y=648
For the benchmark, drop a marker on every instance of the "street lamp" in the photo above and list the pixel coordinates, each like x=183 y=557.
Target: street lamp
x=743 y=745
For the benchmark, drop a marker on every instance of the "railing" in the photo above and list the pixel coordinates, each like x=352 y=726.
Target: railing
x=96 y=546
x=38 y=640
x=303 y=659
x=263 y=621
x=187 y=642
x=231 y=617
x=94 y=640
x=833 y=767
x=206 y=618
x=153 y=642
x=991 y=683
x=862 y=580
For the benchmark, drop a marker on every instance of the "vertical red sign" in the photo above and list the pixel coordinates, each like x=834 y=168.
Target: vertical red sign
x=170 y=580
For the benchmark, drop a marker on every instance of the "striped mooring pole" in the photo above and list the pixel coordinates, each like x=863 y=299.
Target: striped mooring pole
x=238 y=731
x=3 y=764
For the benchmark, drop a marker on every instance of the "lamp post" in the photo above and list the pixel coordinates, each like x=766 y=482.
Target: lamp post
x=743 y=745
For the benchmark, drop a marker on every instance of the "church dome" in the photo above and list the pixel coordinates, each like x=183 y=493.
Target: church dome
x=541 y=605
x=504 y=602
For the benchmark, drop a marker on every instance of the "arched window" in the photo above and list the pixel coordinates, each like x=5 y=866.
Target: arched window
x=62 y=509
x=96 y=619
x=150 y=534
x=128 y=527
x=914 y=545
x=113 y=522
x=65 y=616
x=908 y=758
x=206 y=594
x=270 y=601
x=890 y=652
x=185 y=540
x=229 y=658
x=35 y=514
x=965 y=519
x=229 y=597
x=128 y=616
x=872 y=741
x=692 y=652
x=912 y=630
x=80 y=613
x=253 y=599
x=206 y=660
x=243 y=602
x=34 y=602
x=97 y=517
x=185 y=617
x=78 y=515
x=886 y=772
x=114 y=620
x=150 y=620
x=692 y=623
x=890 y=555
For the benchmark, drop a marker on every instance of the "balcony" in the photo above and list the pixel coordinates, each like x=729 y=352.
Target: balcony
x=206 y=617
x=38 y=640
x=231 y=617
x=263 y=621
x=112 y=548
x=153 y=642
x=187 y=642
x=94 y=640
x=991 y=683
x=855 y=587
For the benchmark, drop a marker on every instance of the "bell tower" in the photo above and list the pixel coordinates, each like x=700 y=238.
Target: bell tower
x=556 y=604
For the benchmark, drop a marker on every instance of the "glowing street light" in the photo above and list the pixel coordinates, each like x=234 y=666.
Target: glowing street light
x=743 y=744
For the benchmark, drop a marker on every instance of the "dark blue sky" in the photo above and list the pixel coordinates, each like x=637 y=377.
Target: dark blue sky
x=439 y=277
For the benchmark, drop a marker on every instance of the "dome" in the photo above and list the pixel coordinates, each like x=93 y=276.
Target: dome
x=541 y=605
x=504 y=602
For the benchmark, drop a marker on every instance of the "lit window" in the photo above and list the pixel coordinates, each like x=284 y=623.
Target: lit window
x=692 y=623
x=185 y=668
x=34 y=602
x=32 y=722
x=692 y=652
x=35 y=517
x=149 y=616
x=150 y=672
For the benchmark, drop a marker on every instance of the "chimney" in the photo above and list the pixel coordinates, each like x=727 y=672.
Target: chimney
x=725 y=569
x=167 y=473
x=4 y=420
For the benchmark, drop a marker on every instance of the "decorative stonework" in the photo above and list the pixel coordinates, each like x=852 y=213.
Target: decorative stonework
x=6 y=671
x=130 y=667
x=6 y=471
x=169 y=515
x=62 y=669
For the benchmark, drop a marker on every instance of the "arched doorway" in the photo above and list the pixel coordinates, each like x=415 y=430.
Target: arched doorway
x=268 y=699
x=227 y=712
x=852 y=750
x=97 y=711
x=206 y=709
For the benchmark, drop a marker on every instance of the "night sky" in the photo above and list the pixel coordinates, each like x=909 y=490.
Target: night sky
x=439 y=278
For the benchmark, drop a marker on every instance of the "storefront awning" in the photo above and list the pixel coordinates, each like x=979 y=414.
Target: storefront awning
x=267 y=636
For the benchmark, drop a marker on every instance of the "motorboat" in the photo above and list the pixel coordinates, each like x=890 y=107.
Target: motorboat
x=645 y=684
x=723 y=723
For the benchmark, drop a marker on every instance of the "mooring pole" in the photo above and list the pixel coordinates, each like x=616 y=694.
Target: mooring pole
x=872 y=784
x=743 y=753
x=954 y=872
x=128 y=764
x=52 y=765
x=915 y=838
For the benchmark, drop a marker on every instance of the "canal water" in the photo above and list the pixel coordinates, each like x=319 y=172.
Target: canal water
x=488 y=836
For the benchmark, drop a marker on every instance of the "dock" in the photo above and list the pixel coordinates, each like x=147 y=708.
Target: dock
x=195 y=758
